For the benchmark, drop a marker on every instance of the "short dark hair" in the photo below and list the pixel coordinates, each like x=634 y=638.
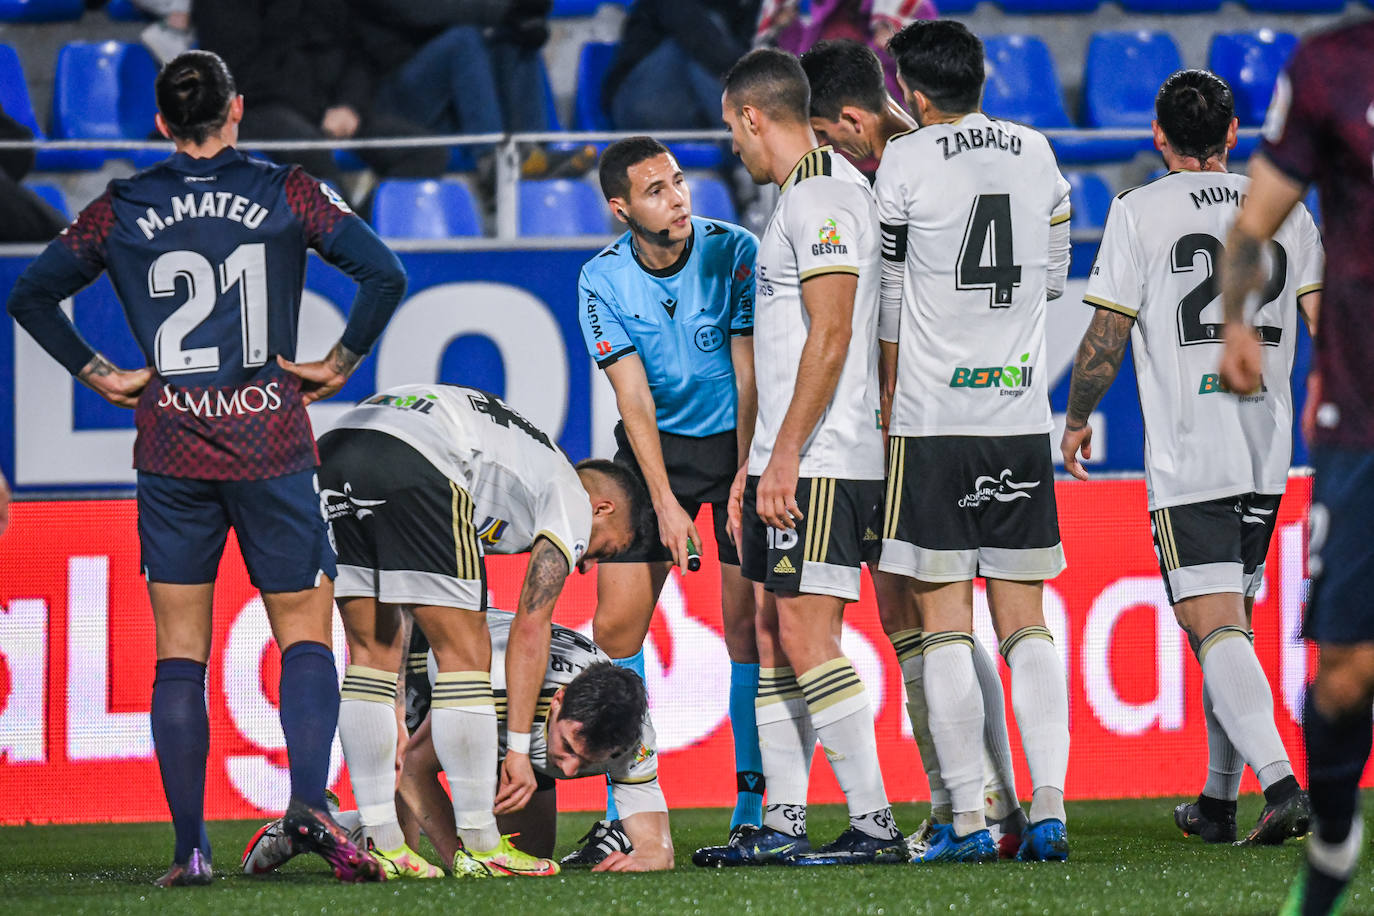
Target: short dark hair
x=772 y=81
x=1194 y=109
x=844 y=72
x=193 y=92
x=638 y=508
x=609 y=703
x=616 y=161
x=942 y=60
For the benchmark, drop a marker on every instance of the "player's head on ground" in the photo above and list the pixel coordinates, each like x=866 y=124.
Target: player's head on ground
x=197 y=100
x=767 y=106
x=848 y=95
x=647 y=191
x=599 y=714
x=940 y=69
x=621 y=512
x=1195 y=120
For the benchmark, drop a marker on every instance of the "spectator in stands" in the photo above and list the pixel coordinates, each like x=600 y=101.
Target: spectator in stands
x=303 y=65
x=171 y=34
x=668 y=72
x=783 y=23
x=24 y=216
x=470 y=66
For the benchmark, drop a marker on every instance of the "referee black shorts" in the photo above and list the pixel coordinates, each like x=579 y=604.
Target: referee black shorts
x=700 y=471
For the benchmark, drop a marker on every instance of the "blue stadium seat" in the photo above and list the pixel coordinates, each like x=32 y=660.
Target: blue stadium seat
x=1296 y=6
x=1313 y=201
x=1122 y=73
x=957 y=6
x=125 y=11
x=569 y=8
x=711 y=199
x=561 y=207
x=1044 y=6
x=592 y=63
x=104 y=91
x=41 y=10
x=1171 y=6
x=1250 y=62
x=1021 y=82
x=588 y=114
x=1090 y=197
x=424 y=210
x=52 y=194
x=14 y=99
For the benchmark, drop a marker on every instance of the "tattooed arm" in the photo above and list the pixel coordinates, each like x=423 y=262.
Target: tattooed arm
x=120 y=387
x=1094 y=368
x=527 y=658
x=323 y=378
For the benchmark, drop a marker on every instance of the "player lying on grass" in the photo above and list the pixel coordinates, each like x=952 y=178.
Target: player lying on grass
x=592 y=720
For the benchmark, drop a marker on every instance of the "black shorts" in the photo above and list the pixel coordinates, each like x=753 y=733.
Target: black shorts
x=837 y=532
x=1340 y=553
x=403 y=530
x=700 y=471
x=1214 y=546
x=959 y=507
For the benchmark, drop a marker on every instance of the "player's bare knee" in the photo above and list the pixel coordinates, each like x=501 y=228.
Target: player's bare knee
x=1345 y=680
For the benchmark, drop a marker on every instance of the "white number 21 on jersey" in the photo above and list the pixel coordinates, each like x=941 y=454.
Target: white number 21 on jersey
x=246 y=267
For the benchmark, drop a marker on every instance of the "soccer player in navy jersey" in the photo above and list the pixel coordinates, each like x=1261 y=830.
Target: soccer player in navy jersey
x=1320 y=130
x=206 y=252
x=667 y=312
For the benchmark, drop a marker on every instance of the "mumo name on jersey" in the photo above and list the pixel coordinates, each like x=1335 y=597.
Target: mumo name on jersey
x=212 y=403
x=989 y=137
x=221 y=204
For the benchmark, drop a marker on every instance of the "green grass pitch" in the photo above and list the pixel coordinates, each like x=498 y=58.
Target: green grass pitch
x=1127 y=858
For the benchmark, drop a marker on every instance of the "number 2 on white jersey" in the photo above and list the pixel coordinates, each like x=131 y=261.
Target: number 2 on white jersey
x=245 y=266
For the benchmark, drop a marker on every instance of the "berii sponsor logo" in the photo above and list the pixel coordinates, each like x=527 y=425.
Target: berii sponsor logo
x=77 y=658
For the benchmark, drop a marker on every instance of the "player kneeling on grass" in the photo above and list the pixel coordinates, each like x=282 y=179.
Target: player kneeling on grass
x=418 y=483
x=592 y=721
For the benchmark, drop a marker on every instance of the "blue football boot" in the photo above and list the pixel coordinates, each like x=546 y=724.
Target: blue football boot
x=1045 y=841
x=978 y=848
x=854 y=847
x=750 y=845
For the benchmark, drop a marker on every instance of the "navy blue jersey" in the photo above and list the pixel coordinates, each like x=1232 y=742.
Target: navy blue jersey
x=679 y=320
x=207 y=257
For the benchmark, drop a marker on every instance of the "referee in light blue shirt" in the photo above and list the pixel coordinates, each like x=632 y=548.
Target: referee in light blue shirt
x=667 y=312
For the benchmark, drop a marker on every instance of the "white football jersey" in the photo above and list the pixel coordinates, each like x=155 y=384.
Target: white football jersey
x=1158 y=264
x=825 y=222
x=521 y=484
x=967 y=206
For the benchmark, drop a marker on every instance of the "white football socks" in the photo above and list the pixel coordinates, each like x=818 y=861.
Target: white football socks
x=1040 y=700
x=1224 y=763
x=842 y=716
x=367 y=732
x=786 y=743
x=1000 y=777
x=907 y=644
x=463 y=715
x=956 y=724
x=1243 y=702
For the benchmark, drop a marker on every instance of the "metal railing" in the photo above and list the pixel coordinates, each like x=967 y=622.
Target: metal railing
x=507 y=181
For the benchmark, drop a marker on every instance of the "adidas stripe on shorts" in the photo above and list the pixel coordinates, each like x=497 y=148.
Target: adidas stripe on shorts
x=840 y=529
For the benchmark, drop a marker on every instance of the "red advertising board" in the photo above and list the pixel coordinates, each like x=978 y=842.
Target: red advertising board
x=76 y=667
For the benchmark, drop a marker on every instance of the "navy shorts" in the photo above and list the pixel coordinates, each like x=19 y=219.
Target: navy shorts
x=183 y=523
x=1340 y=552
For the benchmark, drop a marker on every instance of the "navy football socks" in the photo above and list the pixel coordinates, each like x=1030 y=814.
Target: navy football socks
x=181 y=736
x=1336 y=753
x=309 y=716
